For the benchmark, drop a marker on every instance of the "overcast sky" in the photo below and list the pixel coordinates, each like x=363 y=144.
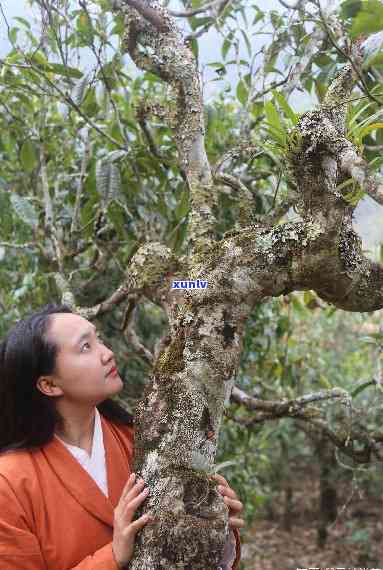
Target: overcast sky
x=369 y=216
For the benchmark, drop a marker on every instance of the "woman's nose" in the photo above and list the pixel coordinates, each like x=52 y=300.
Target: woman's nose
x=106 y=354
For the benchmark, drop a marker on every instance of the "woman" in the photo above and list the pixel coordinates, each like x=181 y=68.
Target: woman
x=67 y=494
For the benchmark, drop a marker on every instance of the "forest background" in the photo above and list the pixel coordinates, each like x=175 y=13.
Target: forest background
x=113 y=184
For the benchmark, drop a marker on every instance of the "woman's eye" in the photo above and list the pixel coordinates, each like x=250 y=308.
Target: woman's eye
x=84 y=345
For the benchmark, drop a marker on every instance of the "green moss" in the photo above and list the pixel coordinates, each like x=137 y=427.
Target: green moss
x=294 y=144
x=171 y=360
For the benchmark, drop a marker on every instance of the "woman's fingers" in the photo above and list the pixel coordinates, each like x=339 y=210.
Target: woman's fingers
x=236 y=523
x=132 y=505
x=220 y=479
x=129 y=484
x=227 y=492
x=137 y=525
x=234 y=505
x=135 y=490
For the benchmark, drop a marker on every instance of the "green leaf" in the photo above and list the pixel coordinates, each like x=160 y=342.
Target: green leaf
x=25 y=210
x=370 y=128
x=247 y=42
x=79 y=89
x=242 y=92
x=12 y=35
x=273 y=117
x=38 y=57
x=23 y=22
x=28 y=156
x=116 y=215
x=60 y=69
x=227 y=44
x=350 y=8
x=108 y=181
x=198 y=22
x=289 y=113
x=182 y=207
x=90 y=105
x=194 y=47
x=276 y=127
x=362 y=387
x=369 y=19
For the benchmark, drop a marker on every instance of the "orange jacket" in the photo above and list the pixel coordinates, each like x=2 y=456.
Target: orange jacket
x=53 y=516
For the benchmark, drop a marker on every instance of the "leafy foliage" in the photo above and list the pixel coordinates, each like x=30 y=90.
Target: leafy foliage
x=61 y=81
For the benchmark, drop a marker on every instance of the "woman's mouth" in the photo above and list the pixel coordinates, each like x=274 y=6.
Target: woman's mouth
x=113 y=372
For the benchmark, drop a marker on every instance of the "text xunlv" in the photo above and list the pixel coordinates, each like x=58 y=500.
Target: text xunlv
x=195 y=284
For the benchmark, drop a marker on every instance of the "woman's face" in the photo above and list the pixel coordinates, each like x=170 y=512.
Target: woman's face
x=83 y=362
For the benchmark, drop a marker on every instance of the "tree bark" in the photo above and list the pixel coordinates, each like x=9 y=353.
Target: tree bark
x=179 y=419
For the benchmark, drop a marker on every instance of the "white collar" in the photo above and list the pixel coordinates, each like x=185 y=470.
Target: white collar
x=97 y=441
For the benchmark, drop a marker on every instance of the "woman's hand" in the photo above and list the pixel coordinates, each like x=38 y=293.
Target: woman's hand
x=231 y=500
x=125 y=528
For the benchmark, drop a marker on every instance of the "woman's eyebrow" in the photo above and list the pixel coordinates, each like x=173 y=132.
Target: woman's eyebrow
x=85 y=335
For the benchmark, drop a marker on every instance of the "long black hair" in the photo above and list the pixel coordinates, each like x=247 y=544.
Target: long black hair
x=28 y=418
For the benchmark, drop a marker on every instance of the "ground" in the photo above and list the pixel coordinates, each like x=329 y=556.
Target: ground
x=354 y=540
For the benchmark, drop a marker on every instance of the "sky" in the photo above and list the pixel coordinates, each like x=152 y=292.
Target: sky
x=369 y=215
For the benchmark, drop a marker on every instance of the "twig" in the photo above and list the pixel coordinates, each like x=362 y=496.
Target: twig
x=208 y=6
x=346 y=56
x=68 y=99
x=132 y=337
x=5 y=19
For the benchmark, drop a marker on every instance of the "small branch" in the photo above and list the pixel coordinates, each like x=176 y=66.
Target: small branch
x=187 y=13
x=132 y=337
x=285 y=408
x=272 y=86
x=245 y=198
x=245 y=148
x=142 y=112
x=115 y=299
x=68 y=99
x=5 y=19
x=145 y=274
x=20 y=245
x=296 y=6
x=277 y=213
x=272 y=410
x=348 y=57
x=96 y=53
x=356 y=167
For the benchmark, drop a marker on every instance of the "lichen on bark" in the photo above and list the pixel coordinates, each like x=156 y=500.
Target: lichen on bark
x=179 y=418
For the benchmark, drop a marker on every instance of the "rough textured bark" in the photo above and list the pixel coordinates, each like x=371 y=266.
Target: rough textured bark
x=178 y=421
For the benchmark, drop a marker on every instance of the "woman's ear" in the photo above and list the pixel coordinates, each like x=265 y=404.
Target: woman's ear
x=47 y=386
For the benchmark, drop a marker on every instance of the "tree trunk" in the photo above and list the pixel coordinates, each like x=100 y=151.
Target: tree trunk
x=178 y=424
x=328 y=504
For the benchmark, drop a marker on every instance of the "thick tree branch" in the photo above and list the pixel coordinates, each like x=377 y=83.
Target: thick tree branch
x=148 y=273
x=150 y=14
x=166 y=55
